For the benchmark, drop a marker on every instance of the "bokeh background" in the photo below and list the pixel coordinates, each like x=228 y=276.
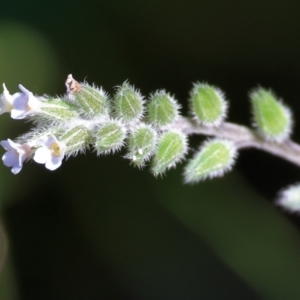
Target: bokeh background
x=99 y=229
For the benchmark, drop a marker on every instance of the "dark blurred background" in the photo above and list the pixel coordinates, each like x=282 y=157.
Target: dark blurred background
x=99 y=229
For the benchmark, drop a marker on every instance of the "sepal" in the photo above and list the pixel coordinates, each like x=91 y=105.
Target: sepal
x=55 y=110
x=171 y=148
x=109 y=137
x=93 y=101
x=214 y=159
x=162 y=109
x=77 y=139
x=272 y=119
x=128 y=103
x=208 y=104
x=141 y=144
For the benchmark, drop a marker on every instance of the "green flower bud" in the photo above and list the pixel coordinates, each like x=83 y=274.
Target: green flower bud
x=207 y=104
x=56 y=110
x=76 y=139
x=141 y=145
x=214 y=159
x=171 y=148
x=128 y=103
x=272 y=118
x=162 y=109
x=110 y=137
x=92 y=100
x=289 y=198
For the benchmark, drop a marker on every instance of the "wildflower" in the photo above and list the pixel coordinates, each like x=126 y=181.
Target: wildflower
x=6 y=101
x=24 y=104
x=15 y=155
x=51 y=152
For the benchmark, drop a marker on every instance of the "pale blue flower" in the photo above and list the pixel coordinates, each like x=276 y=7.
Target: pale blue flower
x=51 y=152
x=15 y=154
x=24 y=104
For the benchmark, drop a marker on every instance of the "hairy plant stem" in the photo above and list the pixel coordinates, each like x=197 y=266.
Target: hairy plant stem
x=243 y=137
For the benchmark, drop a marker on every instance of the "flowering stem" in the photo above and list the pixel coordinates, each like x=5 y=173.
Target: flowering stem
x=243 y=137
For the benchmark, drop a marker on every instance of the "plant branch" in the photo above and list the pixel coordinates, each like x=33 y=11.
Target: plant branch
x=243 y=137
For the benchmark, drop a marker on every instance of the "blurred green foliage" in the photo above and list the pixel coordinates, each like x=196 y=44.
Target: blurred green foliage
x=98 y=228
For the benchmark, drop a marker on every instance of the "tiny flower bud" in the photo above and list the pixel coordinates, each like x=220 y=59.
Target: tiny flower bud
x=76 y=139
x=128 y=103
x=56 y=110
x=93 y=101
x=141 y=144
x=272 y=119
x=289 y=199
x=110 y=137
x=214 y=159
x=207 y=104
x=162 y=109
x=171 y=148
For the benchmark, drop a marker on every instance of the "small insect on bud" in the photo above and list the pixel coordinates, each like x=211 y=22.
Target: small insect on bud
x=72 y=86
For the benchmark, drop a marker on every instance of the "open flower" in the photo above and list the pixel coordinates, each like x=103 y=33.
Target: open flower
x=6 y=101
x=51 y=152
x=15 y=155
x=24 y=104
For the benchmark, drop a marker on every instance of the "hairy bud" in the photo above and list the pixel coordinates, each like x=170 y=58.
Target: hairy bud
x=207 y=104
x=272 y=119
x=93 y=101
x=128 y=103
x=56 y=110
x=109 y=137
x=171 y=148
x=76 y=139
x=289 y=198
x=141 y=145
x=162 y=109
x=214 y=159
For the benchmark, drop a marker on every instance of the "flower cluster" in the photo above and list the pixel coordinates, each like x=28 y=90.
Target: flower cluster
x=47 y=150
x=87 y=116
x=42 y=147
x=44 y=150
x=152 y=130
